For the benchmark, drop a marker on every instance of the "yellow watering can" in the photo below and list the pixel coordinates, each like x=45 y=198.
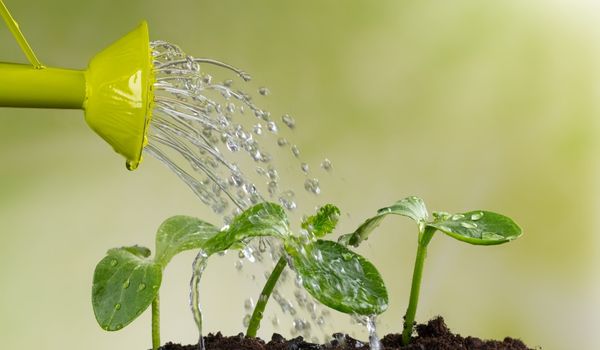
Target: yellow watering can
x=115 y=91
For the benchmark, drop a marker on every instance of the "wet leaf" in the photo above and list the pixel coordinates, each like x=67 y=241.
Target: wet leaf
x=180 y=233
x=412 y=207
x=478 y=227
x=125 y=283
x=324 y=221
x=263 y=219
x=339 y=278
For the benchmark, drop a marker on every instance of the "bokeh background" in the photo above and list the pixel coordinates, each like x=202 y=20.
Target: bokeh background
x=467 y=104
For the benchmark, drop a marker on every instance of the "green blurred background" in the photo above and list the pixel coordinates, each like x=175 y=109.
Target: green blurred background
x=466 y=103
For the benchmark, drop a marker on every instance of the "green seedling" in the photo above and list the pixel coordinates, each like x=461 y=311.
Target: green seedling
x=331 y=273
x=127 y=280
x=477 y=227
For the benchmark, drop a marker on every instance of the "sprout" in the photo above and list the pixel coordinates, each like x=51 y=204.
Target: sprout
x=475 y=227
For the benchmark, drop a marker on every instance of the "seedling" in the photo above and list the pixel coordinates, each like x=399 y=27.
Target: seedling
x=332 y=274
x=475 y=227
x=127 y=280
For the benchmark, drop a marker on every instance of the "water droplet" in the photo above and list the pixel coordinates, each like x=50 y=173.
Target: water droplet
x=117 y=306
x=282 y=142
x=492 y=236
x=126 y=284
x=257 y=129
x=141 y=287
x=456 y=217
x=304 y=168
x=113 y=262
x=295 y=151
x=272 y=127
x=239 y=265
x=286 y=199
x=288 y=120
x=248 y=304
x=469 y=225
x=275 y=321
x=246 y=321
x=264 y=91
x=207 y=79
x=228 y=83
x=476 y=216
x=326 y=164
x=262 y=245
x=312 y=186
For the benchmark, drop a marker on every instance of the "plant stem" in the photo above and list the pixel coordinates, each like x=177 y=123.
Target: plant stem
x=424 y=238
x=257 y=314
x=155 y=323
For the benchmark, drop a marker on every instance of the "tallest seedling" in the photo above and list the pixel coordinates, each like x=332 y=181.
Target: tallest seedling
x=475 y=227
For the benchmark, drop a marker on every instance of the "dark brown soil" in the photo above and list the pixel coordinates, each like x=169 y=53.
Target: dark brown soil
x=434 y=335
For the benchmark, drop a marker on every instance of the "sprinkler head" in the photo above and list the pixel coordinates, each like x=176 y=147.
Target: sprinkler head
x=119 y=94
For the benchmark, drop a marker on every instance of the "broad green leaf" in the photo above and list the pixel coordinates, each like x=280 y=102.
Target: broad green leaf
x=125 y=283
x=412 y=207
x=323 y=222
x=263 y=219
x=180 y=233
x=339 y=278
x=478 y=227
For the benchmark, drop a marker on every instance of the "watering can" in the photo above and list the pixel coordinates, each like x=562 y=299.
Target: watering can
x=115 y=91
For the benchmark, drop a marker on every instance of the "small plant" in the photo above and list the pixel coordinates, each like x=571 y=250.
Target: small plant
x=127 y=280
x=475 y=227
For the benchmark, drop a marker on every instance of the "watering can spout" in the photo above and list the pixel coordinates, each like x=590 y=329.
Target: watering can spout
x=115 y=91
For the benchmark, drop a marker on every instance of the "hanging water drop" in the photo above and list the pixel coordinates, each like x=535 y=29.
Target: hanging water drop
x=264 y=91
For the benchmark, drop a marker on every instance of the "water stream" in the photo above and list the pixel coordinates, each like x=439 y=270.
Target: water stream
x=217 y=140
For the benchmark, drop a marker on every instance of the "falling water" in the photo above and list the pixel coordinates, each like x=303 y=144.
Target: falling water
x=205 y=130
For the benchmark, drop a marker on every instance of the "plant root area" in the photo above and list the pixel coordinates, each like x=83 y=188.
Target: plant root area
x=434 y=335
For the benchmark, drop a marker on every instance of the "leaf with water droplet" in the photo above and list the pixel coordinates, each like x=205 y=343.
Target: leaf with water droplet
x=115 y=304
x=263 y=219
x=324 y=221
x=180 y=233
x=347 y=282
x=478 y=227
x=412 y=207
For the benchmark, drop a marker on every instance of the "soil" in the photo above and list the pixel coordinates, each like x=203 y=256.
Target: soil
x=434 y=335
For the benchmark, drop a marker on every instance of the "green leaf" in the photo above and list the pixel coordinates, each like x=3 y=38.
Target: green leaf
x=478 y=227
x=180 y=233
x=126 y=282
x=323 y=222
x=339 y=278
x=362 y=232
x=412 y=207
x=263 y=219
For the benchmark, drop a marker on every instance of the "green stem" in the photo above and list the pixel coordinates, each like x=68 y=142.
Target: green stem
x=257 y=315
x=155 y=323
x=424 y=238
